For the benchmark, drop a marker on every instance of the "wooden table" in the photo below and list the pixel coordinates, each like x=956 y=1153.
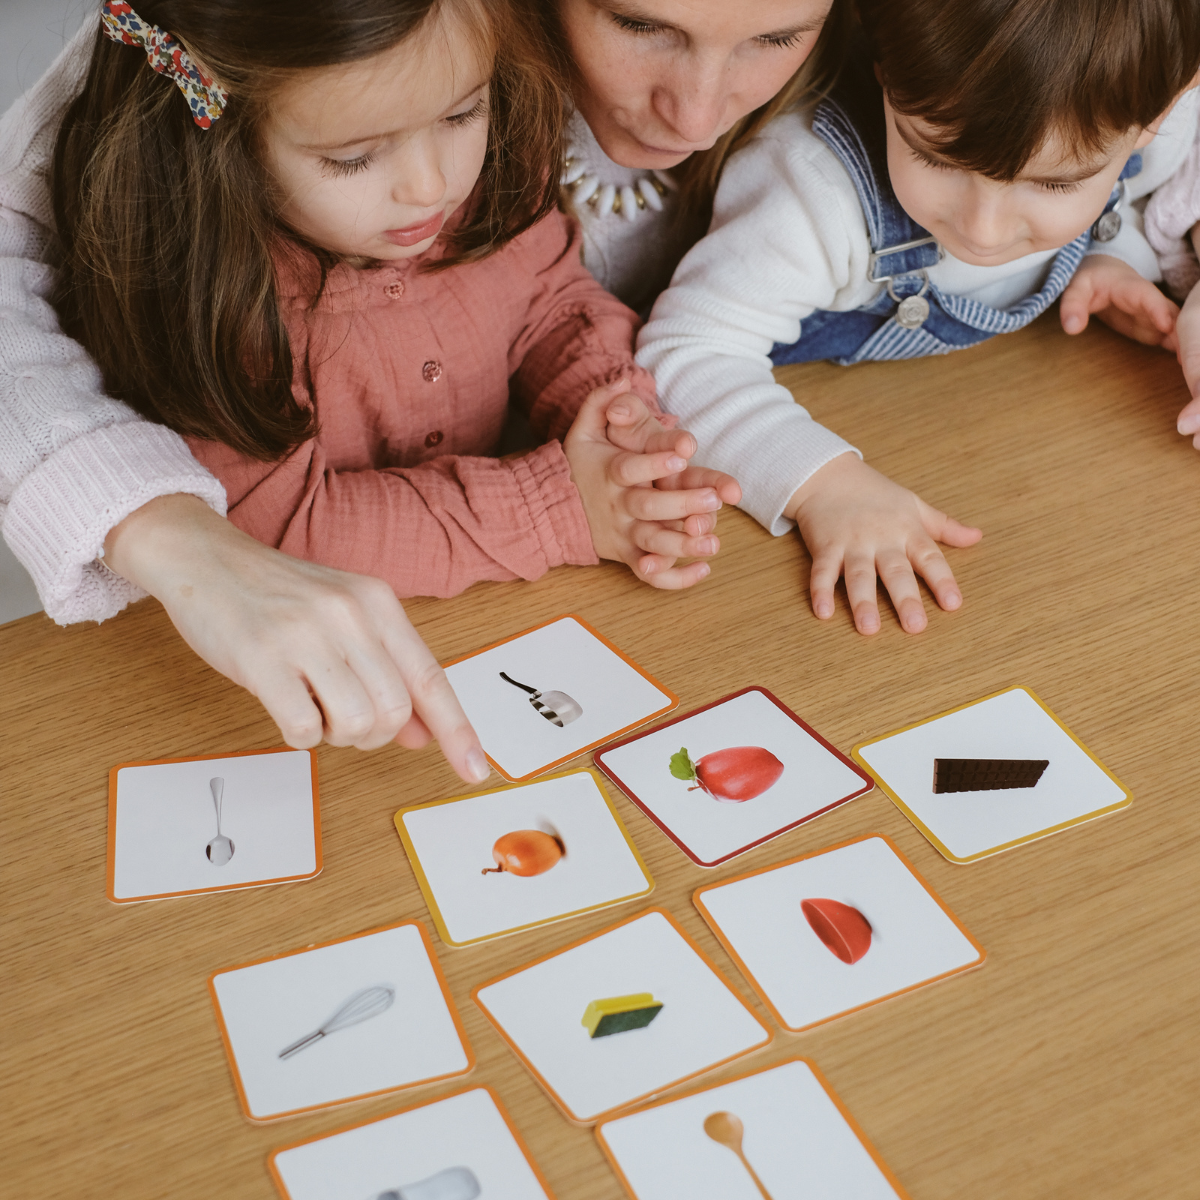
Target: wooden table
x=1065 y=1067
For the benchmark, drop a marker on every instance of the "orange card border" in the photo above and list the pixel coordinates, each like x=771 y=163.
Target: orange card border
x=608 y=737
x=761 y=992
x=294 y=1112
x=938 y=844
x=277 y=1179
x=226 y=887
x=439 y=922
x=846 y=1114
x=629 y=1104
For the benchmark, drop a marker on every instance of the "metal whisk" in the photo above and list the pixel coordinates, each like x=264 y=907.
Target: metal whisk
x=362 y=1006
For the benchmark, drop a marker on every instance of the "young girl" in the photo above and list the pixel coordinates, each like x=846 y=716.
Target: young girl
x=329 y=267
x=1009 y=140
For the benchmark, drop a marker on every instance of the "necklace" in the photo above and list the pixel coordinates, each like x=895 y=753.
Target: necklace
x=628 y=200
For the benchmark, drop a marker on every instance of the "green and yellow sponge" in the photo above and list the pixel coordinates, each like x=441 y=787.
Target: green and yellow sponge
x=619 y=1013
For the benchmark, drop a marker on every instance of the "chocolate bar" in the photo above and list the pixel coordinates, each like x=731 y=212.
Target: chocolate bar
x=986 y=774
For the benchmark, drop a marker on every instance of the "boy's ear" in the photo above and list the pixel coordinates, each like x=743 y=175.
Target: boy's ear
x=1148 y=134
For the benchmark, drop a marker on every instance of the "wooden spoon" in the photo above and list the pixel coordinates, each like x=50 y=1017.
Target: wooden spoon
x=727 y=1129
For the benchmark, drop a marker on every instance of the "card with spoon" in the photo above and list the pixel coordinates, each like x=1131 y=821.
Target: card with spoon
x=213 y=823
x=336 y=1022
x=778 y=1134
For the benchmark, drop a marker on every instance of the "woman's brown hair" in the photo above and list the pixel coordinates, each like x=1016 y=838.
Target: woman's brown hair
x=166 y=229
x=997 y=78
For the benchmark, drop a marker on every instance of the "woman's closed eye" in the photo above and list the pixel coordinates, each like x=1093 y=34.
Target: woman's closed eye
x=472 y=114
x=782 y=41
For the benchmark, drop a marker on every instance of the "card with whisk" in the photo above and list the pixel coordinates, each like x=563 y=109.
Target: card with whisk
x=186 y=826
x=545 y=696
x=340 y=1021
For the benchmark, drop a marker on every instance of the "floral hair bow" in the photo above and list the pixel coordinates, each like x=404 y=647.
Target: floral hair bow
x=205 y=97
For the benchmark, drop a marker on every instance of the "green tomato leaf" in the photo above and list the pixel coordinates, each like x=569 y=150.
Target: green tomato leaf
x=682 y=767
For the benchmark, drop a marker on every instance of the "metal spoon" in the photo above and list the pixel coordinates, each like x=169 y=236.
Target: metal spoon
x=220 y=849
x=454 y=1183
x=727 y=1129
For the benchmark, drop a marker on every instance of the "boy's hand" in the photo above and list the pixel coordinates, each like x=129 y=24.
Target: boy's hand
x=858 y=523
x=1186 y=344
x=631 y=520
x=1120 y=297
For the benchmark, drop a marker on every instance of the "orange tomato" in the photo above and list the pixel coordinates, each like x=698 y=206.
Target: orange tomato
x=526 y=852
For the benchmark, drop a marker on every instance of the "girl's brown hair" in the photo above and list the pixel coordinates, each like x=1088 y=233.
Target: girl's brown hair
x=166 y=230
x=996 y=78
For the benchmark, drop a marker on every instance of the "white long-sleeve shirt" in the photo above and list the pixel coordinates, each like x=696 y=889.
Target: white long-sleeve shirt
x=789 y=238
x=73 y=462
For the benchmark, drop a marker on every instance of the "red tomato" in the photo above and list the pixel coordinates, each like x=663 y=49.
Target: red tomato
x=526 y=852
x=737 y=774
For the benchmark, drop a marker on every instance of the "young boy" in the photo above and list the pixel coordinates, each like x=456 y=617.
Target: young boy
x=981 y=159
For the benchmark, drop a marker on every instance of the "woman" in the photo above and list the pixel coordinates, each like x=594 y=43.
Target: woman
x=331 y=654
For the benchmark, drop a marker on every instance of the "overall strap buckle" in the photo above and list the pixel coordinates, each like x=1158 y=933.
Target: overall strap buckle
x=913 y=310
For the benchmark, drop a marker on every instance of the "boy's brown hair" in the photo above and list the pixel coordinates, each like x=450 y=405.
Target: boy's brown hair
x=997 y=78
x=166 y=230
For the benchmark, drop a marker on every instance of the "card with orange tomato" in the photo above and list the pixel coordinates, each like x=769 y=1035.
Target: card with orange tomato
x=508 y=859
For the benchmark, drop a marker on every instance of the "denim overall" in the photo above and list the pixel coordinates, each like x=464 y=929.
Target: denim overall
x=912 y=317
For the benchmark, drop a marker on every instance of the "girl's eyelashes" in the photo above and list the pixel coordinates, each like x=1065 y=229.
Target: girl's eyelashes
x=472 y=114
x=347 y=166
x=1060 y=187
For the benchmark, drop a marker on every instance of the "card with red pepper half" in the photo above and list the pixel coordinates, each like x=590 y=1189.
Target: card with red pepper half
x=731 y=775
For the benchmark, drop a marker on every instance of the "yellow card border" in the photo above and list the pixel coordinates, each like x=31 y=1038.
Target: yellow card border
x=942 y=848
x=427 y=890
x=277 y=1178
x=761 y=992
x=608 y=737
x=459 y=1028
x=846 y=1115
x=224 y=887
x=636 y=1100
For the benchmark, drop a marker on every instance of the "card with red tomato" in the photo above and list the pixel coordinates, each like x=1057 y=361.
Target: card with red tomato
x=617 y=1017
x=455 y=1148
x=830 y=933
x=731 y=775
x=186 y=826
x=543 y=697
x=780 y=1133
x=992 y=775
x=508 y=859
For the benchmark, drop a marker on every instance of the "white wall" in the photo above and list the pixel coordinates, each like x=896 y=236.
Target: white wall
x=31 y=33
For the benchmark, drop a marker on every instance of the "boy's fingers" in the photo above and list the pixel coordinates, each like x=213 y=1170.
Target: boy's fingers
x=946 y=529
x=724 y=485
x=930 y=563
x=650 y=504
x=630 y=470
x=896 y=574
x=677 y=578
x=657 y=539
x=826 y=570
x=860 y=590
x=1075 y=304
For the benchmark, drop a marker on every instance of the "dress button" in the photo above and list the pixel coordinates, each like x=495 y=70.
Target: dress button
x=432 y=439
x=432 y=371
x=395 y=289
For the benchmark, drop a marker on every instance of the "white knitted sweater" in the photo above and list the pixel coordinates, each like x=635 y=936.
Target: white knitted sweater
x=73 y=462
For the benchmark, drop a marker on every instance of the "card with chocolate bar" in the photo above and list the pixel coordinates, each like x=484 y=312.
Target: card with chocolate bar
x=991 y=775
